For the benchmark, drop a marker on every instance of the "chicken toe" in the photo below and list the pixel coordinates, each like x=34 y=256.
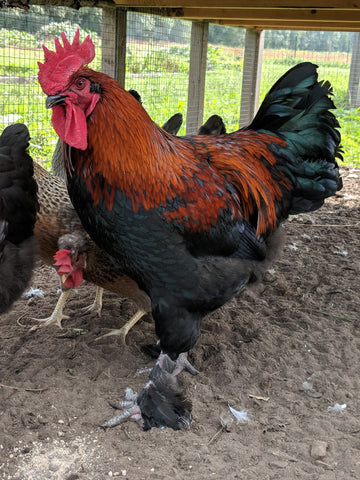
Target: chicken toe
x=182 y=363
x=131 y=413
x=57 y=315
x=130 y=410
x=124 y=330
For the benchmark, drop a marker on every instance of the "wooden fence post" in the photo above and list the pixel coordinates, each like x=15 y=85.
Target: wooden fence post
x=254 y=46
x=352 y=96
x=197 y=72
x=114 y=43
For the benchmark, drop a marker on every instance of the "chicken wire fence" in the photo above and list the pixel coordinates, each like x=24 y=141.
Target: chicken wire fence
x=157 y=66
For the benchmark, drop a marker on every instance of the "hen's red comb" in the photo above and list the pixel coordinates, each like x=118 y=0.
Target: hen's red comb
x=62 y=256
x=58 y=66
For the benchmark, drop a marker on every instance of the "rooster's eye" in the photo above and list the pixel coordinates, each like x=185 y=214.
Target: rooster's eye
x=80 y=83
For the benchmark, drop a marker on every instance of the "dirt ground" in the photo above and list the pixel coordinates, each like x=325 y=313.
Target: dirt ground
x=286 y=352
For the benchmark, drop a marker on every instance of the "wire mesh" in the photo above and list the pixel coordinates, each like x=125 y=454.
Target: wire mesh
x=157 y=66
x=22 y=35
x=332 y=52
x=224 y=76
x=157 y=63
x=334 y=64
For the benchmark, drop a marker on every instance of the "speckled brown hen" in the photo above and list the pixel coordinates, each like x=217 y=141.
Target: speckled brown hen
x=57 y=218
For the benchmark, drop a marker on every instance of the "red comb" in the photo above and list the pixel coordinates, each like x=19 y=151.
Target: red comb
x=58 y=66
x=62 y=257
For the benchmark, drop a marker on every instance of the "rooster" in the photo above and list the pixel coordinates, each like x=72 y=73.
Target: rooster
x=58 y=227
x=190 y=219
x=18 y=207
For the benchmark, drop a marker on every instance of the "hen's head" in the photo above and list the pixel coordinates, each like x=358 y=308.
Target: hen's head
x=71 y=259
x=71 y=93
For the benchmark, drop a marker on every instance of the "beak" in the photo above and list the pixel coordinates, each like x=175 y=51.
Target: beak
x=53 y=100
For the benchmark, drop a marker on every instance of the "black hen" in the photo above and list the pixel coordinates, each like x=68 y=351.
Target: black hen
x=18 y=208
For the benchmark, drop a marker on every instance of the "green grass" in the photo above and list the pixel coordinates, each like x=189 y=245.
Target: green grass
x=164 y=93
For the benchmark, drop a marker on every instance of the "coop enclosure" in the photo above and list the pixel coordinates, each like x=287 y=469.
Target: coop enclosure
x=157 y=65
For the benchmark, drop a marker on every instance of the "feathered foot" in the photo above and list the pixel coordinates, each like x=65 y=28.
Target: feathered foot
x=57 y=315
x=123 y=331
x=182 y=363
x=96 y=306
x=160 y=403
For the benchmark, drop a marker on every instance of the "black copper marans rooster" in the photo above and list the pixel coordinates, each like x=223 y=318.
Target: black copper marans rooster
x=191 y=218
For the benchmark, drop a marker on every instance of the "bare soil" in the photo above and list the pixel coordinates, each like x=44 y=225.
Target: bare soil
x=284 y=352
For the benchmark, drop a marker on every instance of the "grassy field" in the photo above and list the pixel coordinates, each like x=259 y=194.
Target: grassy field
x=165 y=93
